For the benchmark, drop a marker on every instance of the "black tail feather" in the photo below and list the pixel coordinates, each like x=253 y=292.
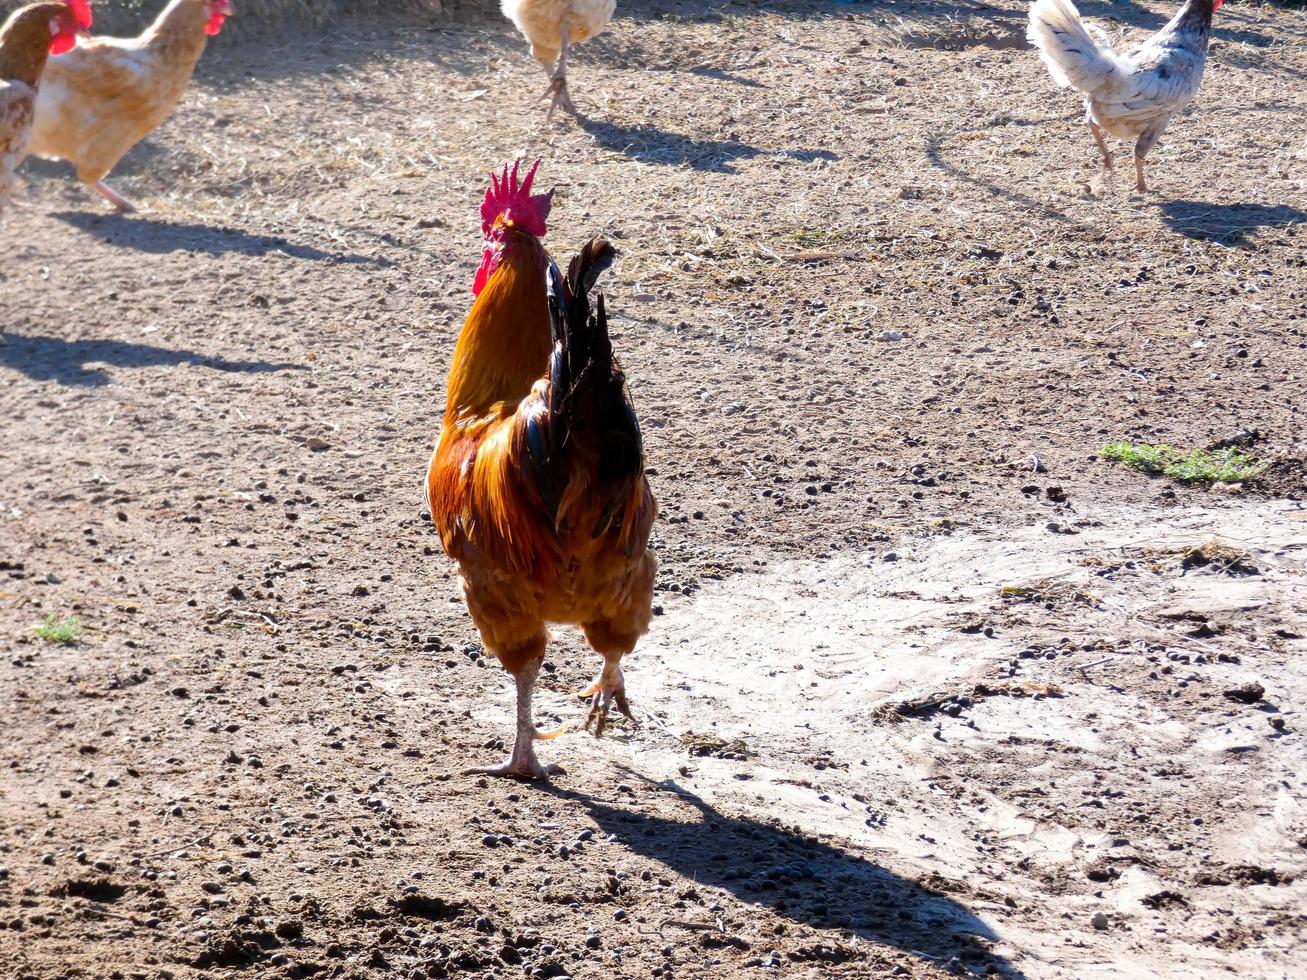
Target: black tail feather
x=593 y=260
x=590 y=415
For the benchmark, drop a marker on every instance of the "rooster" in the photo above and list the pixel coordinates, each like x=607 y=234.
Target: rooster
x=108 y=93
x=550 y=26
x=28 y=38
x=1132 y=95
x=537 y=484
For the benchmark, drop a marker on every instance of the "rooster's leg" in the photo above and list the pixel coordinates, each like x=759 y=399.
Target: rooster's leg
x=558 y=82
x=522 y=763
x=120 y=203
x=1097 y=130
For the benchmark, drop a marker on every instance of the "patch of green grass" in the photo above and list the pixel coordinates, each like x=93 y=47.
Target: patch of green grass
x=1194 y=466
x=67 y=630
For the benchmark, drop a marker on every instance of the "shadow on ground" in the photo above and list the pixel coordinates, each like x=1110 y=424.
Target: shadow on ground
x=66 y=361
x=935 y=153
x=1228 y=224
x=808 y=881
x=160 y=236
x=649 y=144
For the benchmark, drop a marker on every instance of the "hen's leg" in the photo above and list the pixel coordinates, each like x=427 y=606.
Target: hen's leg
x=1142 y=146
x=613 y=642
x=1097 y=130
x=120 y=203
x=522 y=762
x=558 y=81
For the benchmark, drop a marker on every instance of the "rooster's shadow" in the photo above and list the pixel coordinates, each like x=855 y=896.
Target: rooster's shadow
x=808 y=881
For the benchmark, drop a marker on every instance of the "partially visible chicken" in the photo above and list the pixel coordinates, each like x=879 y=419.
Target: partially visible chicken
x=29 y=36
x=107 y=94
x=537 y=485
x=550 y=26
x=1132 y=95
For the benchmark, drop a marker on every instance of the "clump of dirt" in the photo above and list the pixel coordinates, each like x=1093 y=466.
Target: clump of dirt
x=715 y=746
x=1245 y=874
x=233 y=947
x=1164 y=899
x=955 y=703
x=97 y=889
x=1249 y=693
x=1286 y=477
x=422 y=906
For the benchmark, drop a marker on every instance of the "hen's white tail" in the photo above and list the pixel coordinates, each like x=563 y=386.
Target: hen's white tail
x=1074 y=58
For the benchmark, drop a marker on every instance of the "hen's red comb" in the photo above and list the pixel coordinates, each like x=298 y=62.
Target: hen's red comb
x=219 y=10
x=81 y=13
x=506 y=197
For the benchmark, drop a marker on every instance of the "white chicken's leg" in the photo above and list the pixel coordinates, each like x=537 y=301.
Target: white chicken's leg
x=1142 y=146
x=1097 y=130
x=558 y=81
x=522 y=762
x=120 y=203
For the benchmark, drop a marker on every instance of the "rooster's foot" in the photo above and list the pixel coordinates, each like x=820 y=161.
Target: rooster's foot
x=522 y=763
x=524 y=769
x=608 y=690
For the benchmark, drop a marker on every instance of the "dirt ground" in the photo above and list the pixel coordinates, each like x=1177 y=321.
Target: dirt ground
x=932 y=689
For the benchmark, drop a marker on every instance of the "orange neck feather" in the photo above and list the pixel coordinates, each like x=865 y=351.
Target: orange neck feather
x=505 y=344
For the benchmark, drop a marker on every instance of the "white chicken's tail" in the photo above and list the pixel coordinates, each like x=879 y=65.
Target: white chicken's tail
x=1074 y=57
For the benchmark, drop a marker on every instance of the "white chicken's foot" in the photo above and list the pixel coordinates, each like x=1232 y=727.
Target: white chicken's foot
x=522 y=762
x=120 y=204
x=608 y=690
x=558 y=82
x=1140 y=186
x=1097 y=132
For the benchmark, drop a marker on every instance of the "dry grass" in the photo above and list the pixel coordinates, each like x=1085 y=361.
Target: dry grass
x=1048 y=591
x=1212 y=554
x=954 y=702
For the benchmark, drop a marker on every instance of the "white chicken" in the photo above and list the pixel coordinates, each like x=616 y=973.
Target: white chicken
x=550 y=26
x=1132 y=95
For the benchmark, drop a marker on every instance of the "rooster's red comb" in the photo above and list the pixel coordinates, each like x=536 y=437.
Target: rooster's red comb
x=81 y=12
x=506 y=197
